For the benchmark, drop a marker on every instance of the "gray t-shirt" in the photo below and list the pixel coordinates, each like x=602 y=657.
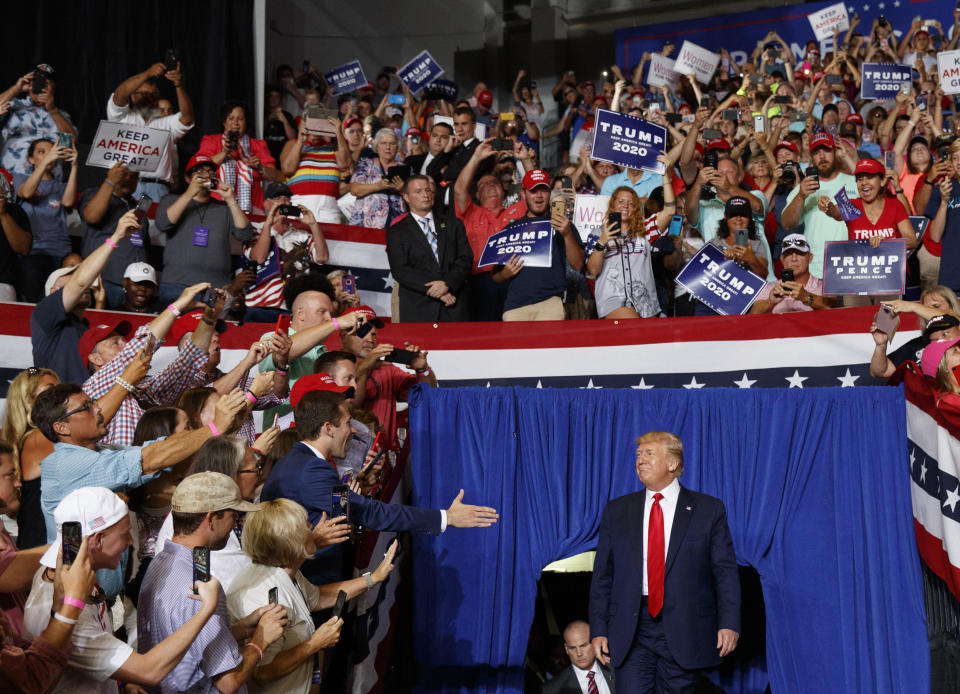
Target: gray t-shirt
x=198 y=245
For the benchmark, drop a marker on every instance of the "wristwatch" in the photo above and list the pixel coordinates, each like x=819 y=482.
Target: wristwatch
x=599 y=247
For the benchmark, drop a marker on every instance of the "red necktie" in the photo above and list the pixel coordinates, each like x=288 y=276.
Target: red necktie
x=591 y=685
x=655 y=557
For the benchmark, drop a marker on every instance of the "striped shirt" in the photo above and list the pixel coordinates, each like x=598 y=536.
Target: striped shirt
x=164 y=606
x=317 y=173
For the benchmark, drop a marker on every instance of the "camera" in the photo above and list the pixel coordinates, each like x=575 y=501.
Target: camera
x=789 y=175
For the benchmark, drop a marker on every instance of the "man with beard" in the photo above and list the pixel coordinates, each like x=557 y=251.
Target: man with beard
x=135 y=102
x=536 y=293
x=802 y=202
x=101 y=209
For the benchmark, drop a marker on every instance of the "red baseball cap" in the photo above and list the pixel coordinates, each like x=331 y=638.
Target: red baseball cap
x=485 y=98
x=187 y=323
x=366 y=312
x=100 y=332
x=785 y=144
x=855 y=118
x=369 y=85
x=869 y=166
x=600 y=99
x=718 y=143
x=822 y=140
x=196 y=160
x=350 y=121
x=311 y=382
x=534 y=178
x=417 y=132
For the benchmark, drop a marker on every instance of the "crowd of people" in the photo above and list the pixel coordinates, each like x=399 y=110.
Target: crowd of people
x=158 y=540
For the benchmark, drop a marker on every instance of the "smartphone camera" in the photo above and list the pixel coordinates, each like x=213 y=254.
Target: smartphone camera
x=813 y=172
x=786 y=275
x=71 y=537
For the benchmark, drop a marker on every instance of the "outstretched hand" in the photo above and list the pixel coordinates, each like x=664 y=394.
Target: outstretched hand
x=461 y=515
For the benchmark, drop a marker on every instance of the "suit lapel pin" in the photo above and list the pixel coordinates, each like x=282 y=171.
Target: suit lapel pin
x=689 y=509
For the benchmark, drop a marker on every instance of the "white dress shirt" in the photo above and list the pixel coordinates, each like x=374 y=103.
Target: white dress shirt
x=598 y=677
x=668 y=504
x=172 y=124
x=426 y=162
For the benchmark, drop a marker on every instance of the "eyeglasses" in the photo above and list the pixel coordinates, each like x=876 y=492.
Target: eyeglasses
x=261 y=461
x=85 y=407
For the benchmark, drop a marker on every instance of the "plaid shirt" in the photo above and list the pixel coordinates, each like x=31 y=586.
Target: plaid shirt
x=248 y=430
x=164 y=389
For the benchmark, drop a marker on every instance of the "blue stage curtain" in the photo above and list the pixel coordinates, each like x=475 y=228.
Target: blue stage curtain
x=817 y=493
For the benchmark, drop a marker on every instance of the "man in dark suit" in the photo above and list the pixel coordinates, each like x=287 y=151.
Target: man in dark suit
x=430 y=258
x=665 y=595
x=307 y=476
x=440 y=135
x=585 y=674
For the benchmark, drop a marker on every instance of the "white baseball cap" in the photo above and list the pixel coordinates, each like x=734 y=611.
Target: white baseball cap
x=60 y=272
x=140 y=272
x=95 y=508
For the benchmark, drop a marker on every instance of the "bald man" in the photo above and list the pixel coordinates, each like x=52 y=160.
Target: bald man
x=585 y=674
x=311 y=322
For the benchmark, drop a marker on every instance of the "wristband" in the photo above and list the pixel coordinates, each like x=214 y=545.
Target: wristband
x=259 y=650
x=336 y=323
x=424 y=372
x=174 y=310
x=66 y=620
x=123 y=384
x=74 y=602
x=110 y=242
x=251 y=397
x=108 y=182
x=673 y=203
x=368 y=580
x=213 y=428
x=599 y=247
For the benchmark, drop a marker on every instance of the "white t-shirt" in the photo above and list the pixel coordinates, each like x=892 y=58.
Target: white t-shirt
x=225 y=563
x=249 y=591
x=172 y=124
x=97 y=653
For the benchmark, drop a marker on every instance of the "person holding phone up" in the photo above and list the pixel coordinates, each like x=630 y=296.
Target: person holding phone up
x=797 y=289
x=378 y=194
x=99 y=660
x=46 y=199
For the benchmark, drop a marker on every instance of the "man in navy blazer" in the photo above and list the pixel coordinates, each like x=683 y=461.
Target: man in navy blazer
x=659 y=616
x=307 y=476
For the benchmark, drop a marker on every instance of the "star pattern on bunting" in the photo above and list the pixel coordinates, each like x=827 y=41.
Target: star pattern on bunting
x=642 y=386
x=388 y=281
x=745 y=382
x=796 y=381
x=848 y=380
x=693 y=384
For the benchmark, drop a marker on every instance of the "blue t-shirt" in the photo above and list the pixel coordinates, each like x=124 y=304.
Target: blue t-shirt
x=48 y=221
x=55 y=338
x=535 y=284
x=950 y=252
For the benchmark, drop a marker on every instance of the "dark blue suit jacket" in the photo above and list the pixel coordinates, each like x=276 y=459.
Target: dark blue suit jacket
x=701 y=584
x=309 y=480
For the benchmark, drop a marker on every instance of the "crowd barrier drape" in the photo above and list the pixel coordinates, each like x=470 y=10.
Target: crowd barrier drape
x=816 y=490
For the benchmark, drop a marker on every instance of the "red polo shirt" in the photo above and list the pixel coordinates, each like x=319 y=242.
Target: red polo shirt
x=480 y=223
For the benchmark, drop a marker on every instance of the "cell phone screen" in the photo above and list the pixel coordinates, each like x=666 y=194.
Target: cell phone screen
x=401 y=356
x=890 y=160
x=340 y=502
x=72 y=536
x=273 y=595
x=201 y=564
x=142 y=208
x=348 y=283
x=786 y=275
x=341 y=601
x=741 y=237
x=150 y=346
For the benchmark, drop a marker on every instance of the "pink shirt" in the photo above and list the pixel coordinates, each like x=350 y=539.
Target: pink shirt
x=814 y=285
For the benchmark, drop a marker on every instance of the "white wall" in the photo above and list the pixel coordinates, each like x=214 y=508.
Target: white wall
x=377 y=32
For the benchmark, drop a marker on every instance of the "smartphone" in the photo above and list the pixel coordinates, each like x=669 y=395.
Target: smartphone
x=348 y=283
x=731 y=114
x=150 y=346
x=558 y=206
x=39 y=82
x=890 y=160
x=676 y=225
x=251 y=265
x=501 y=144
x=813 y=172
x=566 y=182
x=273 y=596
x=673 y=118
x=615 y=220
x=922 y=103
x=283 y=324
x=201 y=565
x=401 y=356
x=689 y=118
x=71 y=537
x=834 y=79
x=404 y=171
x=786 y=275
x=885 y=319
x=760 y=123
x=711 y=134
x=170 y=59
x=377 y=442
x=65 y=140
x=208 y=296
x=397 y=99
x=741 y=237
x=782 y=99
x=288 y=211
x=364 y=329
x=341 y=601
x=142 y=208
x=755 y=78
x=798 y=116
x=507 y=115
x=340 y=502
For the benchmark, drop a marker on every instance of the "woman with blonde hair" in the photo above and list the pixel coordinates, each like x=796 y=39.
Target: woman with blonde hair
x=279 y=538
x=621 y=258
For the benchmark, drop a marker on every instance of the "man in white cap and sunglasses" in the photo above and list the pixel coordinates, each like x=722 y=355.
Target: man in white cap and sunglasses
x=797 y=289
